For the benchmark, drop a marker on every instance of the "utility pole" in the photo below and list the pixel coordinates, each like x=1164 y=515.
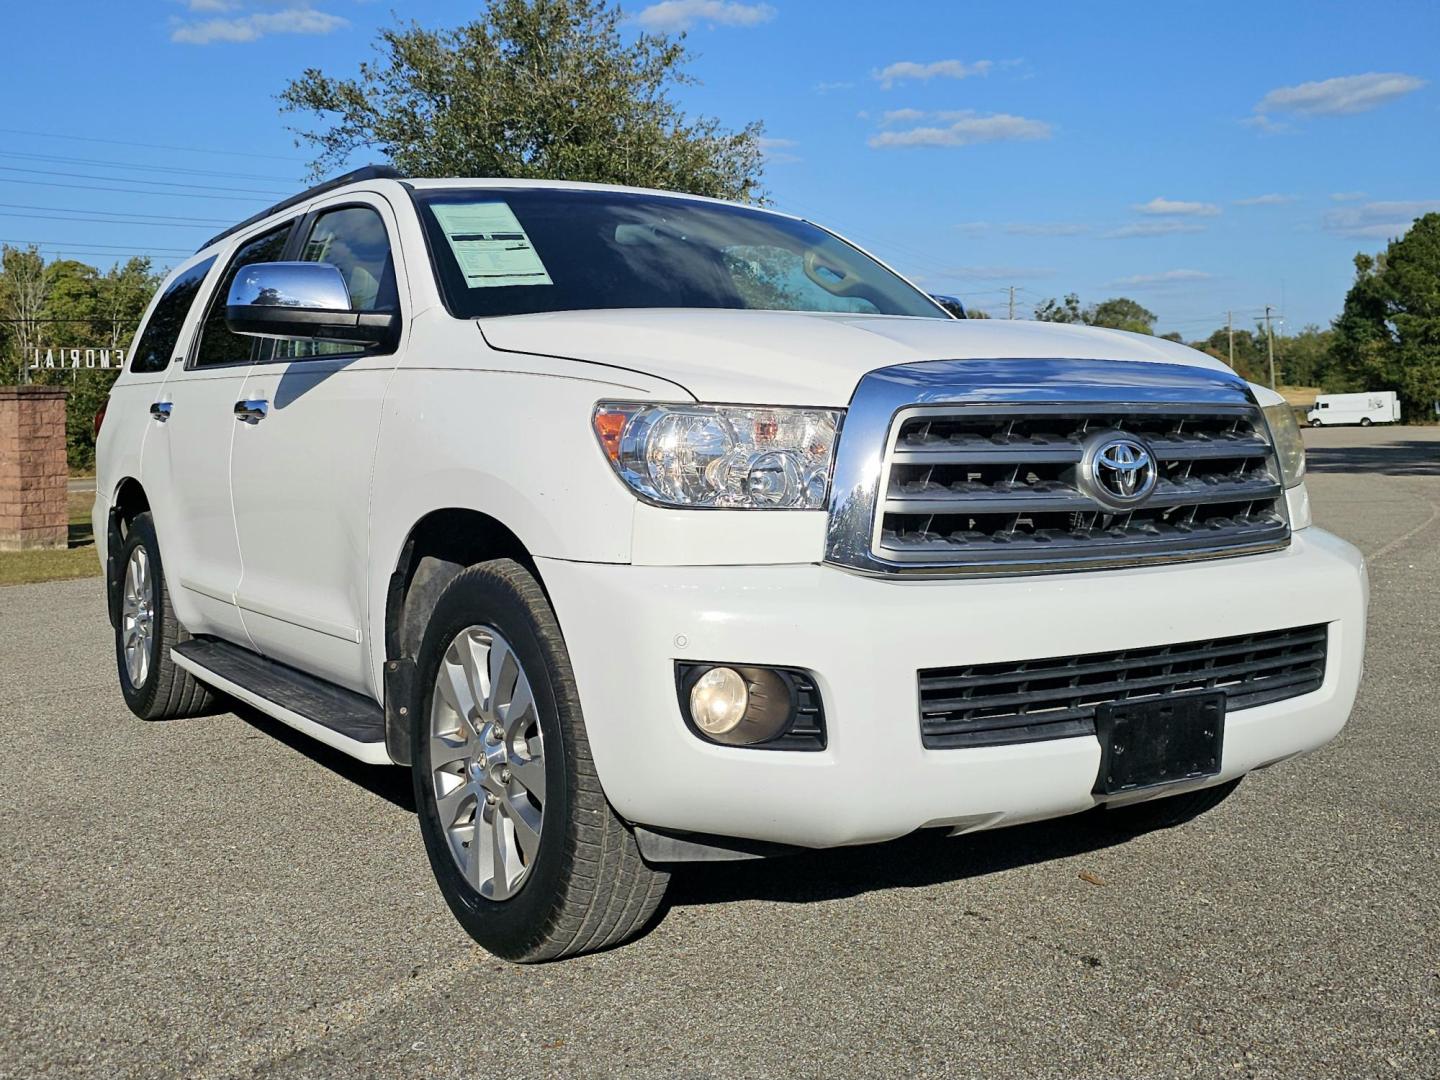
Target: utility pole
x=1270 y=341
x=1230 y=330
x=1012 y=302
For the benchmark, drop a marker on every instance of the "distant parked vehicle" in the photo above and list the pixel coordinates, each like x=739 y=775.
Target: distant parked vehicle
x=1376 y=407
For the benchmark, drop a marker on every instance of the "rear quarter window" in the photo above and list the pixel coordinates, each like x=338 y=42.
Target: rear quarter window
x=161 y=335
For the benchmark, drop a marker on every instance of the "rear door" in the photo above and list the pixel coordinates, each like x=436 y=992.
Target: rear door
x=187 y=456
x=301 y=475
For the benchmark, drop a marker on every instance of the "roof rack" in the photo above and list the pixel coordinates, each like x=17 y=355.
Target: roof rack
x=354 y=176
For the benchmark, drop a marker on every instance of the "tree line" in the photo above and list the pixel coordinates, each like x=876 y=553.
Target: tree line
x=68 y=304
x=1387 y=336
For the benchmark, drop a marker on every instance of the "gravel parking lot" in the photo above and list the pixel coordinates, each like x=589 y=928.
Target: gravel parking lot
x=219 y=897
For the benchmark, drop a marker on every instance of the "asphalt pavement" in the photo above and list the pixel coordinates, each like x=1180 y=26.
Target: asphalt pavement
x=222 y=898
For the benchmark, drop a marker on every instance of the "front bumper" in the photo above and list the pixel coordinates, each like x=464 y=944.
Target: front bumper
x=865 y=638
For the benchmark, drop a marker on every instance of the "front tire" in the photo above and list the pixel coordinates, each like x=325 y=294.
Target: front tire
x=1365 y=421
x=146 y=630
x=529 y=855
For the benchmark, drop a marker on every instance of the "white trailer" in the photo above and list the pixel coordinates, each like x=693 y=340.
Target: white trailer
x=1375 y=407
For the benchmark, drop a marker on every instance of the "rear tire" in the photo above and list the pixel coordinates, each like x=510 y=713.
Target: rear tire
x=529 y=855
x=1166 y=813
x=146 y=630
x=1365 y=421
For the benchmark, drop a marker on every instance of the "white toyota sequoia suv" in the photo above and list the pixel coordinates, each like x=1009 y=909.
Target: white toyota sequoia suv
x=646 y=528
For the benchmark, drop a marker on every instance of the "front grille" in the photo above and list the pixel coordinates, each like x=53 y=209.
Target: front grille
x=1000 y=487
x=1033 y=700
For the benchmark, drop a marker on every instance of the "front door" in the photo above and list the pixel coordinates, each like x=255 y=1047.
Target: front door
x=186 y=462
x=301 y=466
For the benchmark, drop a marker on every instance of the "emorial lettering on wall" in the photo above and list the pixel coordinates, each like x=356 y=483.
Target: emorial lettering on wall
x=75 y=359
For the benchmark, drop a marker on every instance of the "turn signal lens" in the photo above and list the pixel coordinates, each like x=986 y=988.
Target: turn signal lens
x=718 y=701
x=610 y=426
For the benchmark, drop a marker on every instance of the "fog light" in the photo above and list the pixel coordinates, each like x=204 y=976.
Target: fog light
x=718 y=701
x=742 y=705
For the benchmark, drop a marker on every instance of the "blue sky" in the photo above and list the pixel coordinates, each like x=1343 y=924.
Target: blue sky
x=1198 y=157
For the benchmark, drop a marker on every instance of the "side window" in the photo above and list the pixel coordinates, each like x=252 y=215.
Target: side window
x=162 y=333
x=217 y=344
x=353 y=240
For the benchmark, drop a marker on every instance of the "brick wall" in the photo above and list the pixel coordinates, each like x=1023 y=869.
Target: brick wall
x=33 y=475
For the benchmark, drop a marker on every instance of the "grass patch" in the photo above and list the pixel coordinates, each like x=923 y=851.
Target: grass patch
x=77 y=560
x=28 y=567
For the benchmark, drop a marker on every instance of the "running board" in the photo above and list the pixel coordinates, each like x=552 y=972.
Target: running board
x=350 y=723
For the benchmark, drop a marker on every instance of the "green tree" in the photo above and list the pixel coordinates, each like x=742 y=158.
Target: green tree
x=64 y=305
x=1121 y=313
x=24 y=291
x=1066 y=311
x=1387 y=337
x=1117 y=313
x=531 y=88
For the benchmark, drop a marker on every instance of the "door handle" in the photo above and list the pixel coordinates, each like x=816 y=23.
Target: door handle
x=251 y=411
x=160 y=410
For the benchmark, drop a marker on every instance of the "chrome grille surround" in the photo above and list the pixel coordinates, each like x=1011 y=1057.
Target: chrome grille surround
x=979 y=467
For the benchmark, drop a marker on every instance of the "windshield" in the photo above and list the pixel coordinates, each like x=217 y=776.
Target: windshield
x=513 y=251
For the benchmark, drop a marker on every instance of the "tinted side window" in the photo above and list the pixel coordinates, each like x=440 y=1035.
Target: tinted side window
x=353 y=240
x=217 y=344
x=162 y=333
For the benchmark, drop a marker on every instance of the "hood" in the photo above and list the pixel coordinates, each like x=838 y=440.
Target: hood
x=800 y=358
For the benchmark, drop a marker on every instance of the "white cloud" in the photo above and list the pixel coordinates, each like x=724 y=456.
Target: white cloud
x=1378 y=220
x=1165 y=277
x=1266 y=126
x=940 y=69
x=257 y=25
x=1347 y=196
x=965 y=129
x=211 y=6
x=1344 y=96
x=1177 y=208
x=831 y=87
x=777 y=150
x=973 y=228
x=1266 y=200
x=1046 y=228
x=1143 y=229
x=673 y=15
x=901 y=116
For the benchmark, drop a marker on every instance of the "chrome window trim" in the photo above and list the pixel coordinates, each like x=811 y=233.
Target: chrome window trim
x=870 y=426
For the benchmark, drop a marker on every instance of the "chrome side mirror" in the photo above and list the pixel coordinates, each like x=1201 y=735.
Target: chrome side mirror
x=301 y=301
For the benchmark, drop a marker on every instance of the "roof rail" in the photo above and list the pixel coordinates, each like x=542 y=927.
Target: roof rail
x=365 y=172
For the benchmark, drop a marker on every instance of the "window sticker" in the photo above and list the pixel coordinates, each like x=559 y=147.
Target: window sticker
x=490 y=245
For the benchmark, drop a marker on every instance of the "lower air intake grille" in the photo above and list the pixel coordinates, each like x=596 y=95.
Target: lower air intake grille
x=1032 y=700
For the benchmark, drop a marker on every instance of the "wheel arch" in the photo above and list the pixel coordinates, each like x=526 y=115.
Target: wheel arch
x=129 y=501
x=438 y=547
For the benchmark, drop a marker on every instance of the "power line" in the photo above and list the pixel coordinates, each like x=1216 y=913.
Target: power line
x=126 y=191
x=113 y=247
x=108 y=221
x=136 y=166
x=113 y=213
x=116 y=255
x=146 y=146
x=128 y=180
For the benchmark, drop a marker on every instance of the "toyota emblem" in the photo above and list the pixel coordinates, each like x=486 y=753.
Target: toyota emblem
x=1119 y=470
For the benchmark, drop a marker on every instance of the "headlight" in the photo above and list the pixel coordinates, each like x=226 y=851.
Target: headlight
x=732 y=457
x=1289 y=446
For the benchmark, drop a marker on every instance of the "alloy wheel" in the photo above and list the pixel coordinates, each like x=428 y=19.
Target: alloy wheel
x=137 y=617
x=487 y=762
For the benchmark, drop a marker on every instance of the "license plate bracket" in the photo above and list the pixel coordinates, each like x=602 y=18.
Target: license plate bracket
x=1159 y=740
